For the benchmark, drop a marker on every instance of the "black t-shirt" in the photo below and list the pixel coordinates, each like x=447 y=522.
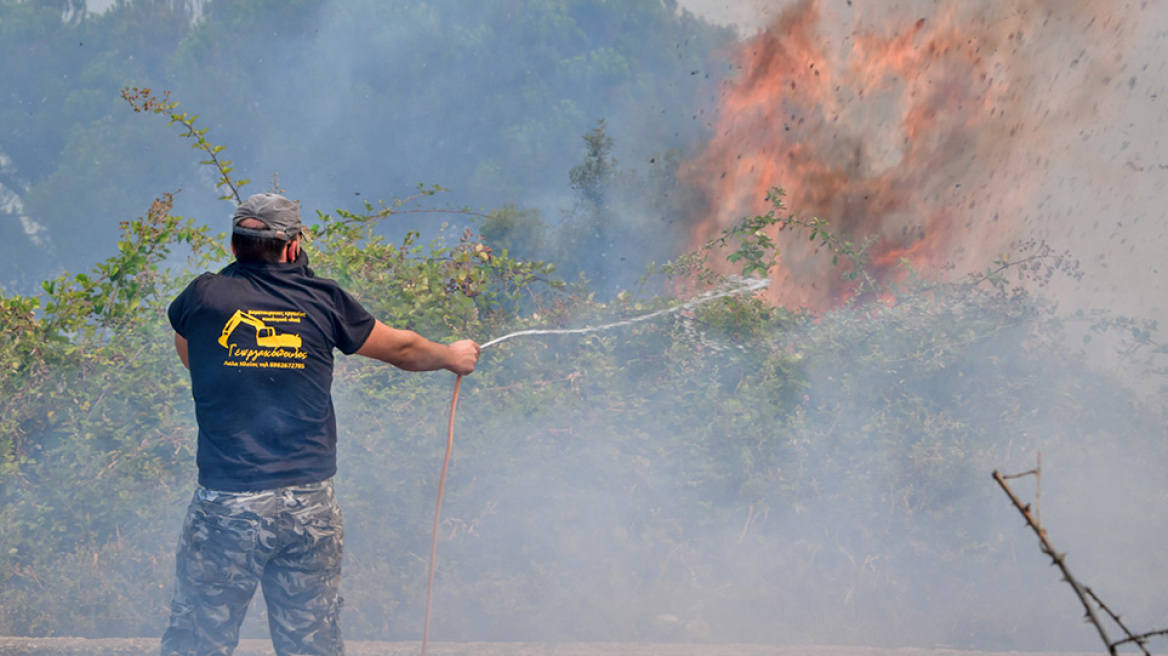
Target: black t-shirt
x=260 y=338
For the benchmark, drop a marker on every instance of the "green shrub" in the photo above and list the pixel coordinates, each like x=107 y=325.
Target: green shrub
x=736 y=472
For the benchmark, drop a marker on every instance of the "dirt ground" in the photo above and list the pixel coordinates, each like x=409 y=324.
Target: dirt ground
x=147 y=646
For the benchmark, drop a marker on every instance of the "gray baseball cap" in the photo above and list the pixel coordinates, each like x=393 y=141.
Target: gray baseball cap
x=280 y=215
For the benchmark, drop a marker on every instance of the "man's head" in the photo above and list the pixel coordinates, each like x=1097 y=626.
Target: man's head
x=266 y=228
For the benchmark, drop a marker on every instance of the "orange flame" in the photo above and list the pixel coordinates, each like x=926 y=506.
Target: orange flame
x=923 y=132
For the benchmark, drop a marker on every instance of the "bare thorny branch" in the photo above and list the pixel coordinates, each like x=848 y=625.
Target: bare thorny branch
x=1087 y=597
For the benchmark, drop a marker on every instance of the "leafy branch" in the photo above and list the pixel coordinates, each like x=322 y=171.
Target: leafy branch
x=383 y=210
x=112 y=296
x=840 y=244
x=755 y=246
x=144 y=100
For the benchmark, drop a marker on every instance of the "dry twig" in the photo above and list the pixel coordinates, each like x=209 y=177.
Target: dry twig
x=1091 y=601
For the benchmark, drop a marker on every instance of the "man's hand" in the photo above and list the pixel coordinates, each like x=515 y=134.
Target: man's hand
x=464 y=355
x=408 y=350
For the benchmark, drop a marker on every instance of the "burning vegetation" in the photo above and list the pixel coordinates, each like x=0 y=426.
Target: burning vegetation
x=928 y=127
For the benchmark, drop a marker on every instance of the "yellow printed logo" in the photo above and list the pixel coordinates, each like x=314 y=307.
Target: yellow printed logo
x=273 y=348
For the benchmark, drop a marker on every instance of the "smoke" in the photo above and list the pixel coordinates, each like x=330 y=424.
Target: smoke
x=338 y=104
x=641 y=485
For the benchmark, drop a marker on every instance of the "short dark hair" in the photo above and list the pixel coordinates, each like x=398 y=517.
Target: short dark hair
x=256 y=249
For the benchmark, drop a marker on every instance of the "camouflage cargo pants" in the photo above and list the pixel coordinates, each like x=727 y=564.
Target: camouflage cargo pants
x=287 y=540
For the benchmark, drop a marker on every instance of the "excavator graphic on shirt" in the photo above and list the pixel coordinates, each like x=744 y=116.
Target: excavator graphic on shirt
x=266 y=336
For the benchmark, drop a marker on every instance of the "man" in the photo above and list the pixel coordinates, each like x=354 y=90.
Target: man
x=258 y=339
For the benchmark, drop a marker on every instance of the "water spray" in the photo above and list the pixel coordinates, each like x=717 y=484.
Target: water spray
x=732 y=287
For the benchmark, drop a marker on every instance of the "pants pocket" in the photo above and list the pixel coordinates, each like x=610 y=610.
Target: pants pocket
x=219 y=547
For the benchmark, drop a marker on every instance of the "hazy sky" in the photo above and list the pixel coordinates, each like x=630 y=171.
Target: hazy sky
x=743 y=13
x=747 y=15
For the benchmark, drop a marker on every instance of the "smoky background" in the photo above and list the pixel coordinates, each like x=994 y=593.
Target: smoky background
x=648 y=485
x=673 y=482
x=336 y=103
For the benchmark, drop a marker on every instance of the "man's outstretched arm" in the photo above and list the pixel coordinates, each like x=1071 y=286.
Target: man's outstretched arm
x=408 y=350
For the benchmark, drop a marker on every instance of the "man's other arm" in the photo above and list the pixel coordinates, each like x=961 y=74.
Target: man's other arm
x=408 y=350
x=180 y=345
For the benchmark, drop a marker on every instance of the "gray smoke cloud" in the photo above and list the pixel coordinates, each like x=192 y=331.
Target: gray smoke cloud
x=342 y=103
